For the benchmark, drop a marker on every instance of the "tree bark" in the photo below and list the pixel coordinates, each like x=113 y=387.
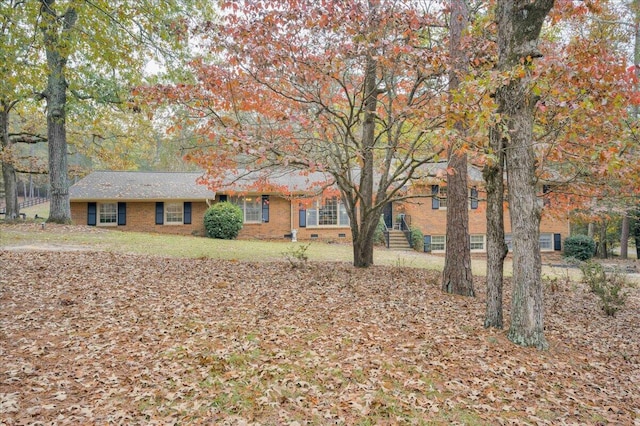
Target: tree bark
x=602 y=247
x=519 y=25
x=635 y=7
x=624 y=237
x=497 y=249
x=12 y=208
x=56 y=96
x=368 y=218
x=457 y=277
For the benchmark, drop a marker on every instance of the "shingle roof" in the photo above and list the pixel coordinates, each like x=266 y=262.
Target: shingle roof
x=284 y=180
x=439 y=169
x=117 y=185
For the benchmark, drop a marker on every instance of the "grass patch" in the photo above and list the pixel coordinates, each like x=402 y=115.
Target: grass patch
x=241 y=250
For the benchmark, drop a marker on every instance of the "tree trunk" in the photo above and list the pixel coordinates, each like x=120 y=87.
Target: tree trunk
x=624 y=237
x=602 y=247
x=497 y=249
x=368 y=220
x=624 y=234
x=457 y=277
x=519 y=25
x=56 y=96
x=363 y=245
x=12 y=208
x=636 y=231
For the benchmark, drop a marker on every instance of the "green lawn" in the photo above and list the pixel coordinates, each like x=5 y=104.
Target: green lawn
x=241 y=250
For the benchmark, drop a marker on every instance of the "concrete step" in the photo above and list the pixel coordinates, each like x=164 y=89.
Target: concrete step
x=398 y=241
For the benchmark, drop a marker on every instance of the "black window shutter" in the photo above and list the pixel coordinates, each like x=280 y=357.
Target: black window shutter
x=159 y=213
x=122 y=214
x=557 y=242
x=435 y=201
x=187 y=213
x=427 y=243
x=302 y=218
x=92 y=214
x=265 y=208
x=222 y=198
x=474 y=198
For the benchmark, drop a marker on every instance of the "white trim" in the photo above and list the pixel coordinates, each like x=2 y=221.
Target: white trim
x=313 y=216
x=546 y=234
x=237 y=200
x=166 y=214
x=484 y=242
x=99 y=207
x=444 y=243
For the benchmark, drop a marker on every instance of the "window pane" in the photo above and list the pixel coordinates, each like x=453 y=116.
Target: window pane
x=328 y=213
x=173 y=212
x=438 y=243
x=253 y=209
x=331 y=213
x=312 y=217
x=108 y=213
x=442 y=195
x=477 y=242
x=344 y=217
x=546 y=241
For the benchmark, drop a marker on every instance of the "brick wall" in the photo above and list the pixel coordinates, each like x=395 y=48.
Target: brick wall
x=278 y=226
x=141 y=218
x=434 y=221
x=282 y=219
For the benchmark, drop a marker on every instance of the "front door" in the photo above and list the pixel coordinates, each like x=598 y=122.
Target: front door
x=387 y=212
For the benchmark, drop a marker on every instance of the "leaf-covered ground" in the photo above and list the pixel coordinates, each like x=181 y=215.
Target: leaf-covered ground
x=104 y=338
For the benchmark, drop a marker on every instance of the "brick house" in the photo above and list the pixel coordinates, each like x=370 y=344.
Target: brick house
x=429 y=212
x=174 y=203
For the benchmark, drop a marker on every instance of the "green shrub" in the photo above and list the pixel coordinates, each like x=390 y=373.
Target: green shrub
x=417 y=239
x=609 y=289
x=378 y=236
x=223 y=221
x=581 y=247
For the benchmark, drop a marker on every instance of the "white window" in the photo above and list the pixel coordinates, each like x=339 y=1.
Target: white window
x=438 y=243
x=442 y=196
x=251 y=208
x=173 y=213
x=108 y=214
x=332 y=213
x=546 y=242
x=477 y=242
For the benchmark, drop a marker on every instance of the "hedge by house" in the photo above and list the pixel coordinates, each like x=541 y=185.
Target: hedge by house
x=223 y=221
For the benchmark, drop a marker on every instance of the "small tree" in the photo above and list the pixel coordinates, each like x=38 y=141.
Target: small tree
x=223 y=221
x=350 y=89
